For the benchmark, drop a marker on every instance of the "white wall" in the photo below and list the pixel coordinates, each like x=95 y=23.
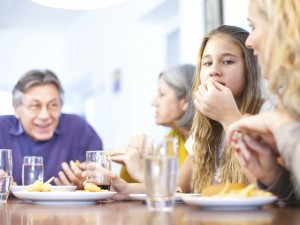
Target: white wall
x=22 y=50
x=235 y=13
x=192 y=29
x=136 y=46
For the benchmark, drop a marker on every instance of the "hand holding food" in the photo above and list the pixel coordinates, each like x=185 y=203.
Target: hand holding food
x=70 y=174
x=77 y=163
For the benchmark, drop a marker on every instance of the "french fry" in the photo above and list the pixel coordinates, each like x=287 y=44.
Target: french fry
x=248 y=191
x=77 y=163
x=39 y=186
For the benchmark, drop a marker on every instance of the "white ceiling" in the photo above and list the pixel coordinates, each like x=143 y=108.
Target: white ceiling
x=25 y=14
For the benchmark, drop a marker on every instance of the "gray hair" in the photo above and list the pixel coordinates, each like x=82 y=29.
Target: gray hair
x=180 y=79
x=35 y=78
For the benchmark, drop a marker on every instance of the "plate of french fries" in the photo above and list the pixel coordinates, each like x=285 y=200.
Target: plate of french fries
x=232 y=197
x=52 y=188
x=43 y=193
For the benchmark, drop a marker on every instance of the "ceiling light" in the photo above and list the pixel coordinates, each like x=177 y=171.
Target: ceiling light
x=78 y=4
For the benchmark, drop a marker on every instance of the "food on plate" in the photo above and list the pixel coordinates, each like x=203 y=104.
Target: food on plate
x=90 y=187
x=218 y=188
x=234 y=190
x=39 y=186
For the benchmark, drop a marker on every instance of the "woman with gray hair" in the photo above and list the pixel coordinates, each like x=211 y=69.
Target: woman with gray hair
x=174 y=108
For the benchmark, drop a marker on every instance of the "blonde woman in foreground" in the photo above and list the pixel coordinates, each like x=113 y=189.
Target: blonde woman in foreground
x=260 y=139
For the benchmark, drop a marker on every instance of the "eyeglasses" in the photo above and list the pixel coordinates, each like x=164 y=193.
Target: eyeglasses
x=37 y=107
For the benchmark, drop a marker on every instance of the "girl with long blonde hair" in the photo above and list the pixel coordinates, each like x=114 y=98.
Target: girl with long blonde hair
x=227 y=85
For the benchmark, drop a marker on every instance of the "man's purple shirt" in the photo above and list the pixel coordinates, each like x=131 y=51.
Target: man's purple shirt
x=72 y=138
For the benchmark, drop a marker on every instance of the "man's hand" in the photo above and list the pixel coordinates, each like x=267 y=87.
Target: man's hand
x=71 y=175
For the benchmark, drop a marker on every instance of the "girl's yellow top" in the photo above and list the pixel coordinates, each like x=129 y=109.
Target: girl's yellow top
x=182 y=153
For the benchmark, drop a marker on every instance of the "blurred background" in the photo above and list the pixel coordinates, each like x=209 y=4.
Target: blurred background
x=107 y=59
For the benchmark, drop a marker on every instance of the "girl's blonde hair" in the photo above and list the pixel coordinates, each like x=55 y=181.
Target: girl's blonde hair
x=282 y=52
x=207 y=133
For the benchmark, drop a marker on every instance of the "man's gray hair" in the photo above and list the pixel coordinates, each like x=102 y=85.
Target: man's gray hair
x=180 y=79
x=35 y=78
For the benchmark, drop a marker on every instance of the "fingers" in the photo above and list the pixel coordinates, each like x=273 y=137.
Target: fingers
x=68 y=171
x=137 y=142
x=62 y=179
x=212 y=84
x=57 y=181
x=82 y=166
x=256 y=145
x=119 y=151
x=76 y=170
x=260 y=146
x=119 y=155
x=231 y=138
x=200 y=99
x=242 y=149
x=3 y=173
x=124 y=155
x=120 y=159
x=71 y=175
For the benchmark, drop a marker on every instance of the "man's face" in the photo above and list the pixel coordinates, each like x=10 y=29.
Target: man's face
x=39 y=111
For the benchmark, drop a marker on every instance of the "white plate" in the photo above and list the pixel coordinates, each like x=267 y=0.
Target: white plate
x=225 y=204
x=178 y=197
x=53 y=188
x=63 y=197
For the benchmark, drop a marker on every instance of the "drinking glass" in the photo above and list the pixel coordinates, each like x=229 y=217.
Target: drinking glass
x=96 y=162
x=160 y=217
x=5 y=173
x=32 y=169
x=161 y=169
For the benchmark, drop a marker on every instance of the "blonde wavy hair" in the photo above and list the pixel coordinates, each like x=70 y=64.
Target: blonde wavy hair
x=282 y=52
x=207 y=133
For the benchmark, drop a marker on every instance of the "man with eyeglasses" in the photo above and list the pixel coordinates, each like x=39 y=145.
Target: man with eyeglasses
x=39 y=128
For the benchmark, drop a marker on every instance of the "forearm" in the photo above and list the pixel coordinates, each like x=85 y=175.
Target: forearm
x=283 y=188
x=136 y=188
x=131 y=188
x=288 y=144
x=184 y=174
x=233 y=117
x=276 y=119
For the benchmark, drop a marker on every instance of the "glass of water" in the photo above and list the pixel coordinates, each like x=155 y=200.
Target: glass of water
x=161 y=169
x=96 y=162
x=32 y=169
x=5 y=173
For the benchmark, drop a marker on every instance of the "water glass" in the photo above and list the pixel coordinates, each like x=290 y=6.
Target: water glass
x=5 y=173
x=96 y=162
x=161 y=169
x=160 y=217
x=32 y=169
